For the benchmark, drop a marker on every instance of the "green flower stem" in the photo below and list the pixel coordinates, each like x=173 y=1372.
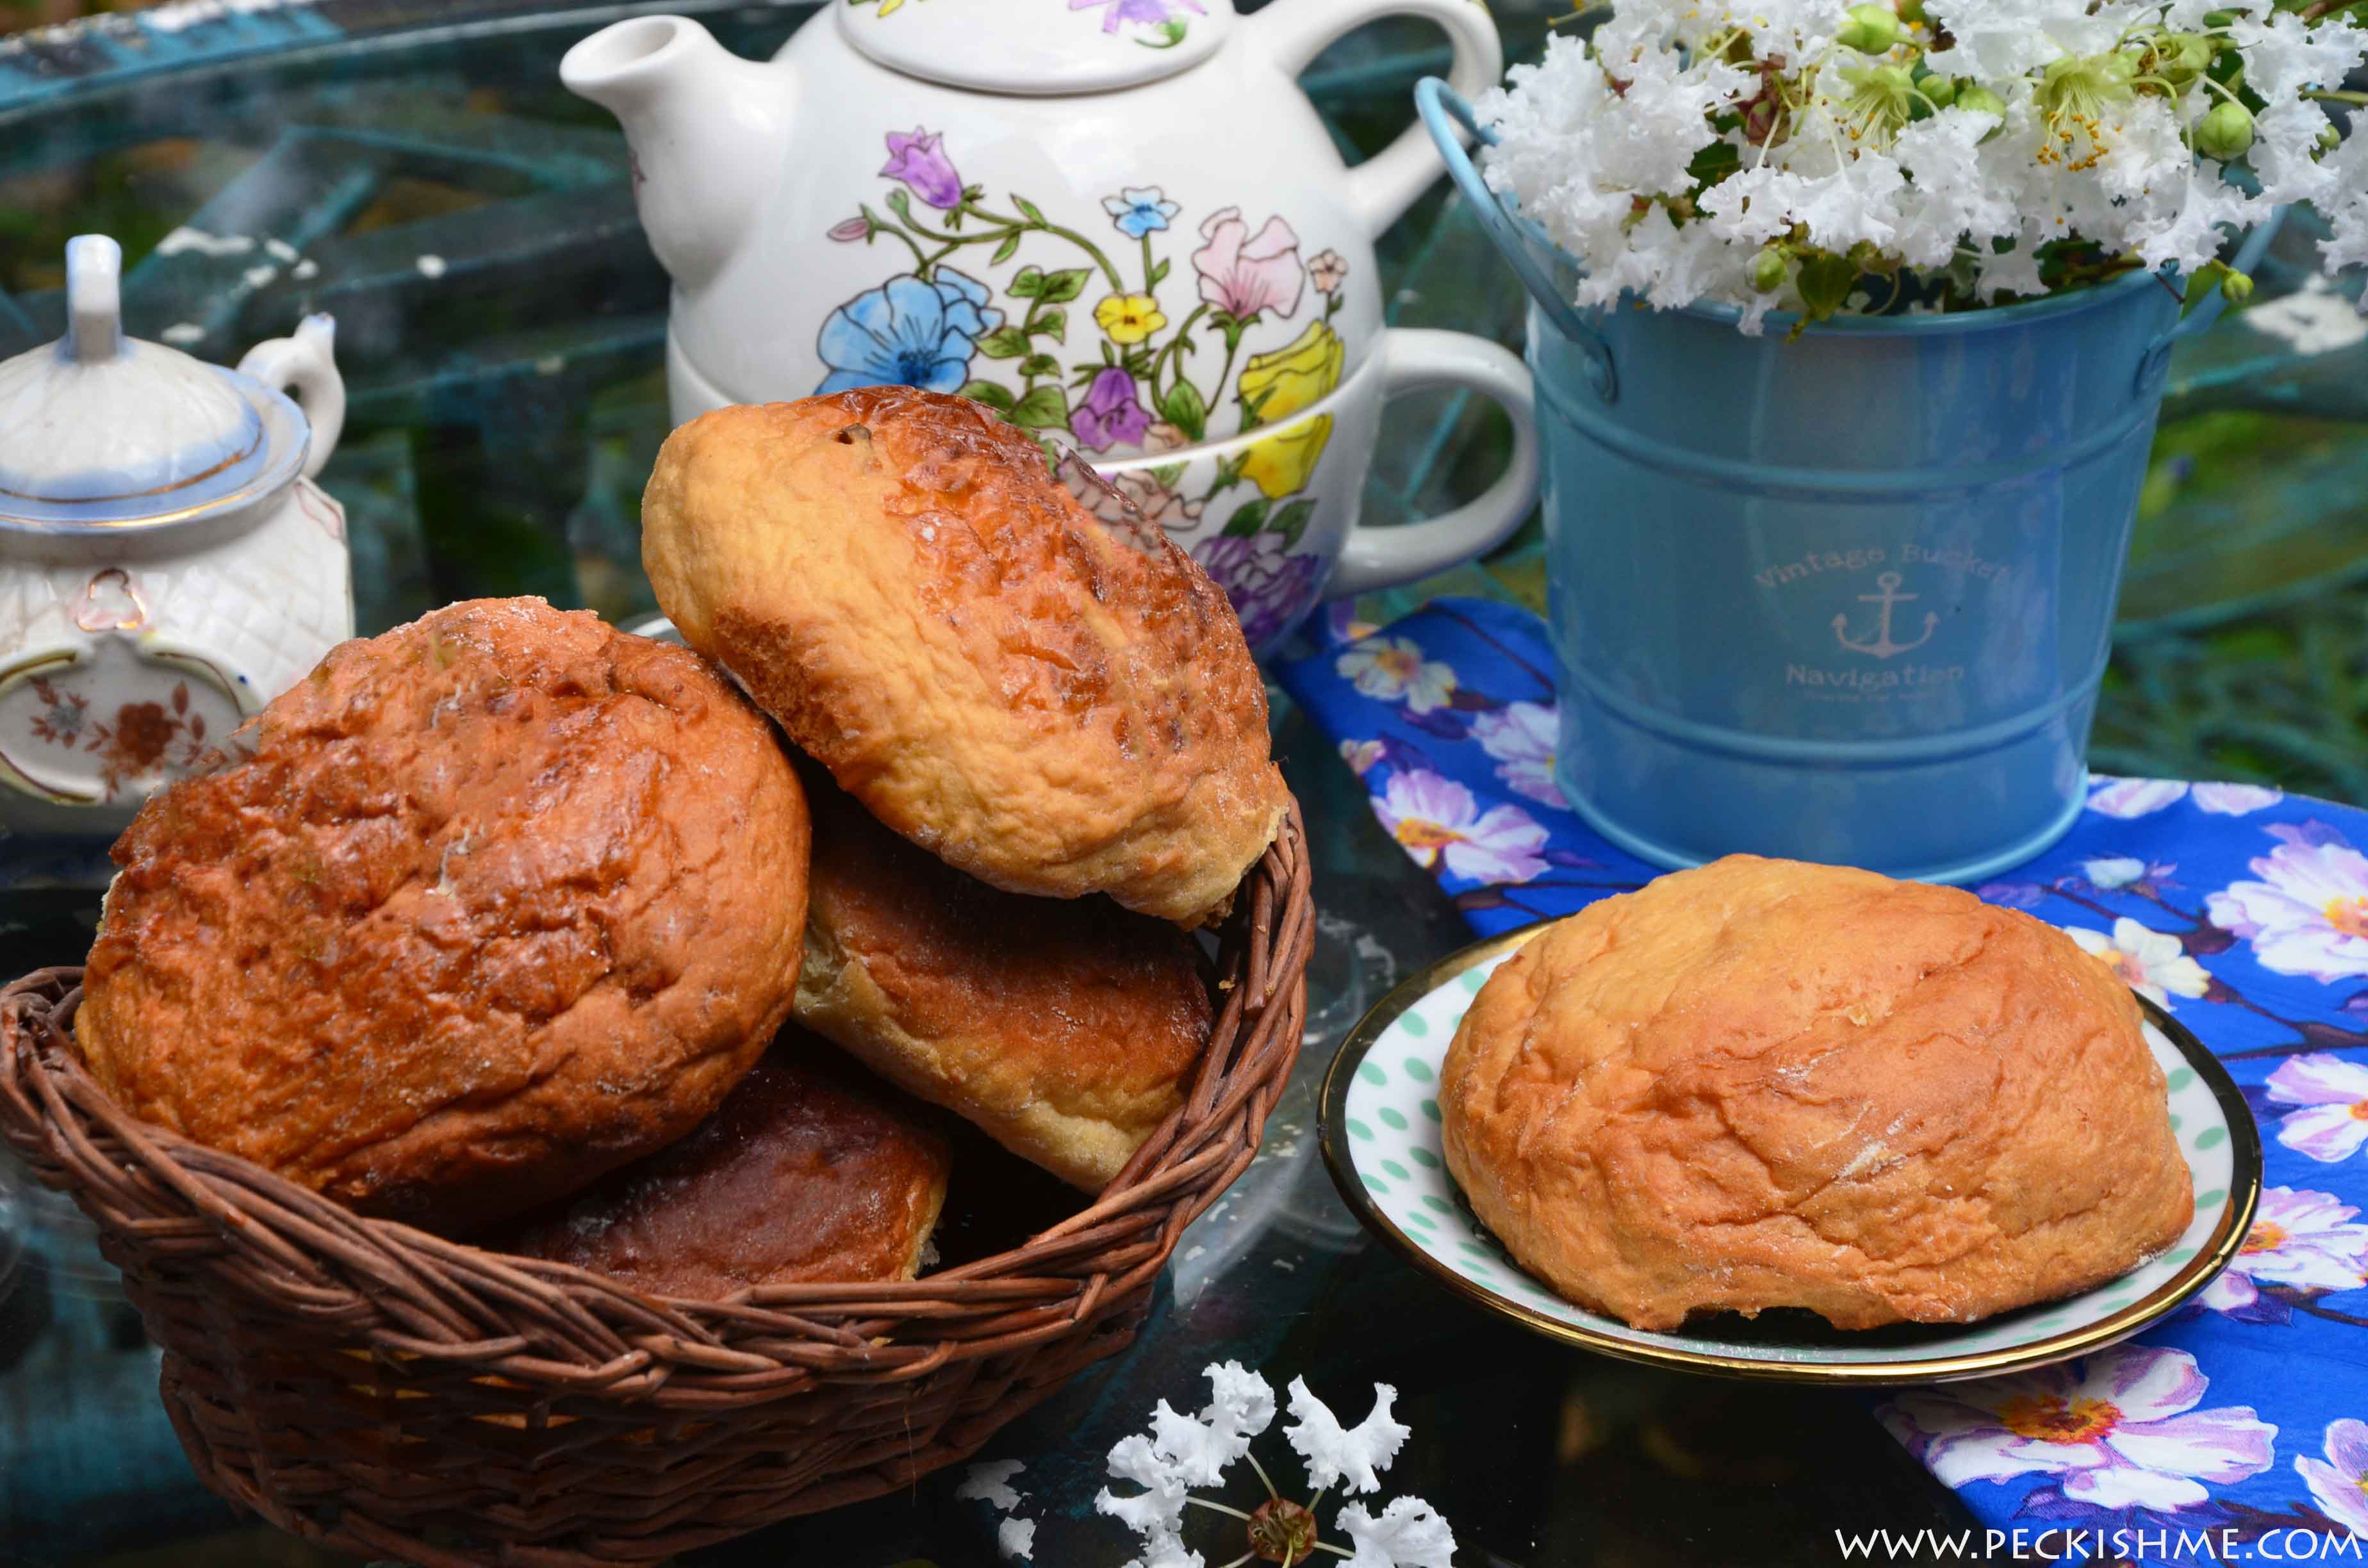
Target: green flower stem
x=1027 y=330
x=1147 y=263
x=1005 y=227
x=1223 y=484
x=920 y=262
x=1232 y=345
x=1175 y=346
x=2233 y=98
x=1091 y=249
x=2333 y=96
x=1219 y=1507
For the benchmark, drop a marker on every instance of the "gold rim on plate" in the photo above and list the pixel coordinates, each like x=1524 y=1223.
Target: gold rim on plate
x=2227 y=1239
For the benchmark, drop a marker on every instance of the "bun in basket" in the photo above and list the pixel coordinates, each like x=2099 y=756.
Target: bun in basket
x=1762 y=1084
x=503 y=900
x=1064 y=1028
x=808 y=1172
x=1056 y=706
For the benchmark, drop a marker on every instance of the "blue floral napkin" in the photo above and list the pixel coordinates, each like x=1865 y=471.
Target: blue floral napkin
x=2232 y=1432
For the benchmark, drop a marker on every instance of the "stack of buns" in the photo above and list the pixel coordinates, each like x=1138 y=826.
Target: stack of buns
x=497 y=925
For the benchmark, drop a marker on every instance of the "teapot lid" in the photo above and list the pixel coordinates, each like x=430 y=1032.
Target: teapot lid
x=1086 y=46
x=102 y=430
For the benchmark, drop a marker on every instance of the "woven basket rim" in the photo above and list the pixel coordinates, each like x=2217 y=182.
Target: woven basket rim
x=550 y=1326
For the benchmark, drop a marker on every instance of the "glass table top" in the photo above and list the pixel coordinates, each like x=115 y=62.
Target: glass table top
x=507 y=402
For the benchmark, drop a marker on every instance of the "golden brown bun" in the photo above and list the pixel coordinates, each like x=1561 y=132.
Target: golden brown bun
x=810 y=1171
x=1055 y=706
x=503 y=900
x=1762 y=1083
x=1065 y=1029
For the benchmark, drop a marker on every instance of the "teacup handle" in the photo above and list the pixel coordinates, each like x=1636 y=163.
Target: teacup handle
x=1293 y=32
x=1416 y=358
x=306 y=364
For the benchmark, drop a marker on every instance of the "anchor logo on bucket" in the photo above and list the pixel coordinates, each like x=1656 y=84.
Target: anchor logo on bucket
x=1881 y=647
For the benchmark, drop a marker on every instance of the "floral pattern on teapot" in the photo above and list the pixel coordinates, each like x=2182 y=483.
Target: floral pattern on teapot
x=142 y=738
x=1133 y=383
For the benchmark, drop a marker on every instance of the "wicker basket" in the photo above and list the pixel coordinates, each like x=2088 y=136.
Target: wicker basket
x=374 y=1388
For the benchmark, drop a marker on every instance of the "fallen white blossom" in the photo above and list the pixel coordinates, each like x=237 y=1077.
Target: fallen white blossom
x=1182 y=1452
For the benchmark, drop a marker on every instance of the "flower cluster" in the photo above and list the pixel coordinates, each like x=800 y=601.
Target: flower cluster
x=1814 y=155
x=1182 y=1452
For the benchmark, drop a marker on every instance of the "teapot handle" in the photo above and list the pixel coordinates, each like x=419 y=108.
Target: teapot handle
x=1293 y=32
x=1414 y=358
x=307 y=364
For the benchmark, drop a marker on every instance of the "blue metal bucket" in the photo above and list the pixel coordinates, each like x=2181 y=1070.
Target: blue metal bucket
x=1843 y=598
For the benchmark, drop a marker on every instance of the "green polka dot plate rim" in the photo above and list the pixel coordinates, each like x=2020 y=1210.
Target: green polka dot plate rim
x=1380 y=1132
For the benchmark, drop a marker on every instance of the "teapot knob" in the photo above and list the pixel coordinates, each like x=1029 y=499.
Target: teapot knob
x=94 y=299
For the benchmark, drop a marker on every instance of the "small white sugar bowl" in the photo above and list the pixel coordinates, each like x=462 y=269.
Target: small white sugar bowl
x=167 y=566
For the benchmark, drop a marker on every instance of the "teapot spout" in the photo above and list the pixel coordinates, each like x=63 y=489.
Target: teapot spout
x=706 y=128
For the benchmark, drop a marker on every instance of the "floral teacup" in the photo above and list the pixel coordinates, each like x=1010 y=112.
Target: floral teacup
x=1272 y=516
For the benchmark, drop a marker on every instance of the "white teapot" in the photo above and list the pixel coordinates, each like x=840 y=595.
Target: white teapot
x=1095 y=215
x=167 y=566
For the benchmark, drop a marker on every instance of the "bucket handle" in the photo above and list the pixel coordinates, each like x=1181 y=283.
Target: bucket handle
x=2156 y=361
x=1450 y=118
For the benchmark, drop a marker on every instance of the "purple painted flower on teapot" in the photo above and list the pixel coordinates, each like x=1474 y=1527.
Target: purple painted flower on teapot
x=918 y=159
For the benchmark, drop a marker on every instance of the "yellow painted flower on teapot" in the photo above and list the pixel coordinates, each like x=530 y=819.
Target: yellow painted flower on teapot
x=1277 y=384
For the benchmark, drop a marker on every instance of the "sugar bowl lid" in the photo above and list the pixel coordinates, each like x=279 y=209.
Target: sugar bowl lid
x=1081 y=46
x=98 y=430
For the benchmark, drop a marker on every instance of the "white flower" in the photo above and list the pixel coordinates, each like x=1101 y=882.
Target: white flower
x=1394 y=669
x=2150 y=962
x=2136 y=797
x=2285 y=55
x=2285 y=154
x=1408 y=1534
x=1356 y=1454
x=1613 y=144
x=2233 y=799
x=1158 y=1511
x=1241 y=1405
x=2346 y=211
x=1017 y=1539
x=2308 y=913
x=2119 y=1430
x=2112 y=873
x=2340 y=1485
x=992 y=1482
x=2333 y=1093
x=1435 y=817
x=1522 y=737
x=1182 y=1451
x=2304 y=1240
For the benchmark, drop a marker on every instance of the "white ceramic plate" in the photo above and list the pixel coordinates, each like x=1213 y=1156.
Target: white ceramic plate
x=1380 y=1135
